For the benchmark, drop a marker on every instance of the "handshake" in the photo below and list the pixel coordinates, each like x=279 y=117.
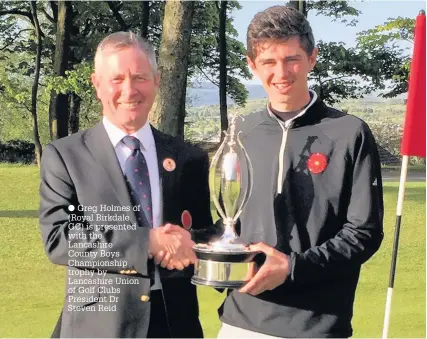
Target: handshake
x=171 y=247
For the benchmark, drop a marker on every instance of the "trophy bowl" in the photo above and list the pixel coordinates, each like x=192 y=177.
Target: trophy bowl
x=223 y=268
x=227 y=262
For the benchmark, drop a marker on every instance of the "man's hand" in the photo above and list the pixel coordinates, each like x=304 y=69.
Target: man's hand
x=271 y=274
x=172 y=247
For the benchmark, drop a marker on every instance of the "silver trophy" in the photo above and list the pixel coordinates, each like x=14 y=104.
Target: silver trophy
x=227 y=262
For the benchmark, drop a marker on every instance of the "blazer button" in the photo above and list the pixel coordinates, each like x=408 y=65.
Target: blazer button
x=145 y=298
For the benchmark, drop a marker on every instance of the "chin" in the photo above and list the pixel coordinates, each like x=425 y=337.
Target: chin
x=130 y=119
x=137 y=122
x=282 y=99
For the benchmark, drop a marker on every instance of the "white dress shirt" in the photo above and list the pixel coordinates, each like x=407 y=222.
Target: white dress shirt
x=148 y=148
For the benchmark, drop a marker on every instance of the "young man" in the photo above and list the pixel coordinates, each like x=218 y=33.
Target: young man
x=106 y=194
x=316 y=211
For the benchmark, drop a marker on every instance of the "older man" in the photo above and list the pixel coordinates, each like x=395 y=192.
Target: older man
x=106 y=195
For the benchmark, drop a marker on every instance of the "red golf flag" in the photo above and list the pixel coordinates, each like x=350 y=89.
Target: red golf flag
x=414 y=132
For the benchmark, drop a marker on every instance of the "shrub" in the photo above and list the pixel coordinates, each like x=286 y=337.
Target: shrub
x=17 y=151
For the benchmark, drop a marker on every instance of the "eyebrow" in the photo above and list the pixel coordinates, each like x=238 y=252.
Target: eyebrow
x=296 y=56
x=136 y=74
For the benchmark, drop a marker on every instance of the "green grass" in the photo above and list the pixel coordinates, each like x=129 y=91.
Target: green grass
x=409 y=298
x=32 y=289
x=411 y=168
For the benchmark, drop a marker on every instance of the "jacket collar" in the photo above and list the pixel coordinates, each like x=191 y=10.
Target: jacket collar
x=314 y=112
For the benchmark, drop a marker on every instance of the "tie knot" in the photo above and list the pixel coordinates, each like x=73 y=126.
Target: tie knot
x=132 y=142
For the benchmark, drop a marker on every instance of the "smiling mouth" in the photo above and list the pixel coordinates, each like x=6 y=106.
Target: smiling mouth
x=131 y=105
x=282 y=85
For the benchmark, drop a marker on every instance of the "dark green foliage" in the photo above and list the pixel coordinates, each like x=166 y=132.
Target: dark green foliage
x=385 y=37
x=204 y=57
x=17 y=151
x=344 y=73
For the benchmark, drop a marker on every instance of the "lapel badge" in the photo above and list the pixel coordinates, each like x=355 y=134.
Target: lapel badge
x=186 y=220
x=317 y=163
x=169 y=164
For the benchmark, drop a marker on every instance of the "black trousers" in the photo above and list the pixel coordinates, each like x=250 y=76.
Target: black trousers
x=159 y=325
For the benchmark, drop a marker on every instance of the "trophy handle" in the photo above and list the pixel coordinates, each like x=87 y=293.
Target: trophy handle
x=212 y=175
x=248 y=191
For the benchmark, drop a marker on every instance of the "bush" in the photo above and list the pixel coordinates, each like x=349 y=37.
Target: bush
x=17 y=151
x=388 y=135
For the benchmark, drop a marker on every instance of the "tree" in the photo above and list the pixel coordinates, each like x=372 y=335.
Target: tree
x=168 y=112
x=58 y=108
x=22 y=56
x=337 y=9
x=299 y=5
x=222 y=49
x=89 y=23
x=38 y=146
x=205 y=56
x=389 y=36
x=342 y=72
x=92 y=21
x=216 y=54
x=389 y=33
x=145 y=18
x=388 y=135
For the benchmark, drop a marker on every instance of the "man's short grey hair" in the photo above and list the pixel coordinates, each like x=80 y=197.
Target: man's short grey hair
x=119 y=40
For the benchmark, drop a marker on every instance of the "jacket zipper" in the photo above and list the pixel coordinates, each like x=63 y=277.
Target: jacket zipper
x=285 y=128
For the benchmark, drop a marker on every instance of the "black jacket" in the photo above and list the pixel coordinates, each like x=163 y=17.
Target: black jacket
x=329 y=222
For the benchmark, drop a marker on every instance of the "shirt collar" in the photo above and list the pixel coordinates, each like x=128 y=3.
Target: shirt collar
x=313 y=97
x=144 y=134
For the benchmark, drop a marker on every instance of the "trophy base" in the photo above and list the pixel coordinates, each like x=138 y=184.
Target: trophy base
x=217 y=284
x=223 y=268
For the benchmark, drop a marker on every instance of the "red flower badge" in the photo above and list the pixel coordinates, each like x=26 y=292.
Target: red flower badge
x=186 y=219
x=317 y=163
x=169 y=164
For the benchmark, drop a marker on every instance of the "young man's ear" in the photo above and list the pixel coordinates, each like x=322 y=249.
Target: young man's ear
x=313 y=58
x=251 y=65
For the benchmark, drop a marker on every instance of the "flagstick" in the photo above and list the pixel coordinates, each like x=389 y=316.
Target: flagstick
x=400 y=197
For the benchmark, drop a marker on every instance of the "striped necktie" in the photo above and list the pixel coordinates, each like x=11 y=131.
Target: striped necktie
x=136 y=172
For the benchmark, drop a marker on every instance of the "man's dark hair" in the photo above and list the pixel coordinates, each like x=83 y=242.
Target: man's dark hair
x=279 y=23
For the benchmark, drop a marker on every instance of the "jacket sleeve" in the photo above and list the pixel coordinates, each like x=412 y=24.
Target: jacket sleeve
x=198 y=202
x=362 y=233
x=122 y=249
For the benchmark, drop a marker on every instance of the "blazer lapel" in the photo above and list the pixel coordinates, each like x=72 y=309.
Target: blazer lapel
x=167 y=162
x=103 y=152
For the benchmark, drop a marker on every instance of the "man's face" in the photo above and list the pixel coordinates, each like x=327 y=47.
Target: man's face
x=126 y=86
x=283 y=69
